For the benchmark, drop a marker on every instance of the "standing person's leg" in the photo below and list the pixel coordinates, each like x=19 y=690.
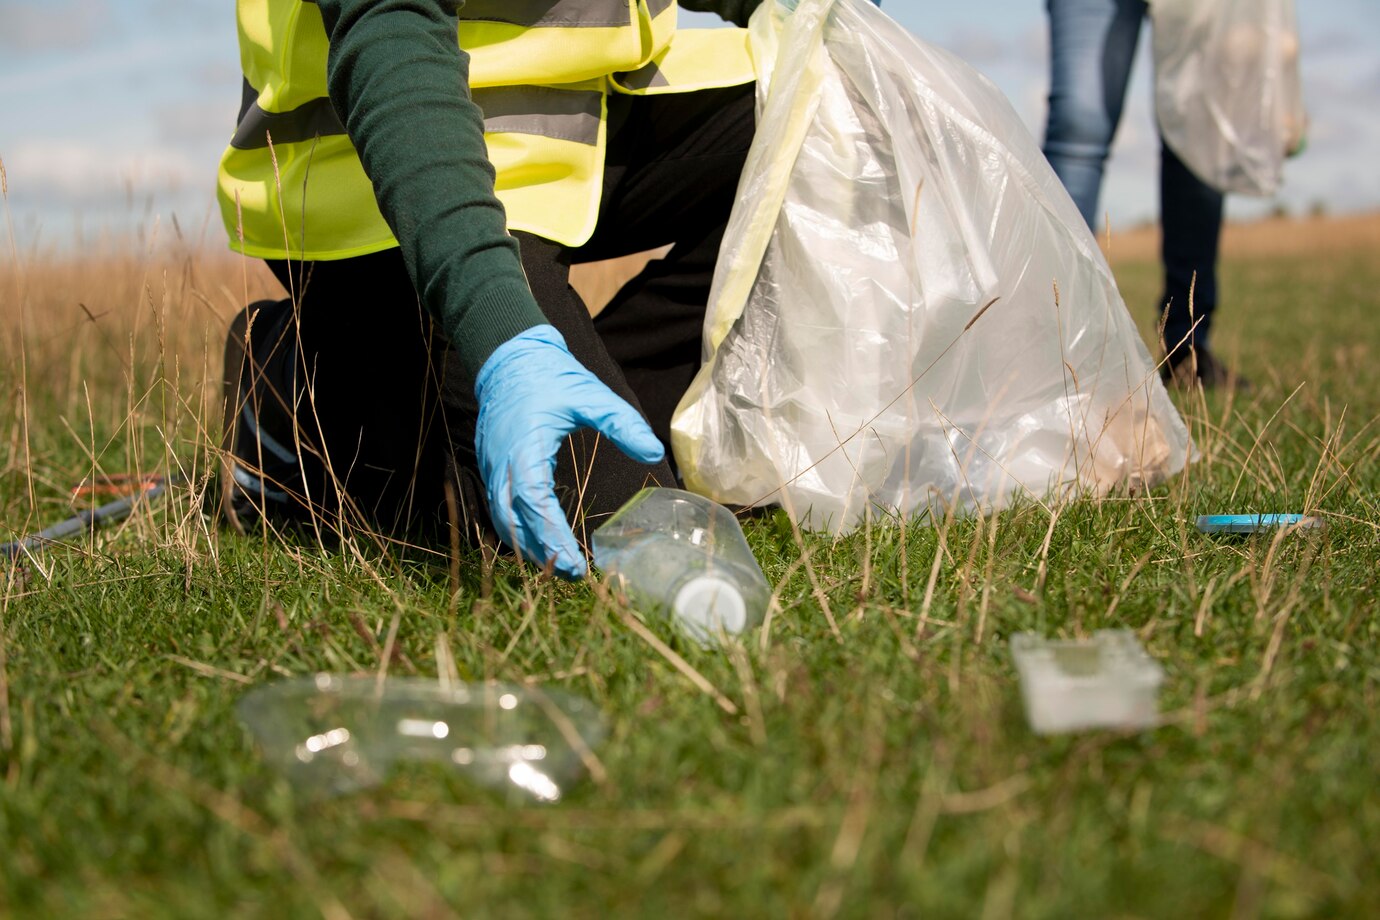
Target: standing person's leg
x=1092 y=47
x=1191 y=218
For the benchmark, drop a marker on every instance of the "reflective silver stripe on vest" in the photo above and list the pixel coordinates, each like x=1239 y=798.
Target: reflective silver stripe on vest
x=657 y=7
x=560 y=114
x=562 y=14
x=643 y=78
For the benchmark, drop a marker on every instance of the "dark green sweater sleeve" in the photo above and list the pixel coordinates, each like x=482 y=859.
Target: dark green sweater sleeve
x=400 y=84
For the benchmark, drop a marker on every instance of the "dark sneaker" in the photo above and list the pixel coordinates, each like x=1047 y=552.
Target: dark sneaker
x=1190 y=367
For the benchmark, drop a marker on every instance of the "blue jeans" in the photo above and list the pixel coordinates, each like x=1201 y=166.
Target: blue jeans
x=1092 y=47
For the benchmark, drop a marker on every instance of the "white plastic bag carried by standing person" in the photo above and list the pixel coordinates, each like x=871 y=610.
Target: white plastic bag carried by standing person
x=1227 y=91
x=908 y=314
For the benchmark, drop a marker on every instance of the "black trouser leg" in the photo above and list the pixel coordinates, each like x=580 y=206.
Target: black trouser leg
x=345 y=381
x=261 y=472
x=673 y=168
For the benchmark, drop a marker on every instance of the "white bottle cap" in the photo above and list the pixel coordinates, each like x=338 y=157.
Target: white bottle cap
x=706 y=604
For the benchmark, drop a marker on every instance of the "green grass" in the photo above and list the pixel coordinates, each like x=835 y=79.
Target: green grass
x=877 y=767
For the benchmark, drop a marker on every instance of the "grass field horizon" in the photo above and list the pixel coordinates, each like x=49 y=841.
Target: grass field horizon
x=865 y=756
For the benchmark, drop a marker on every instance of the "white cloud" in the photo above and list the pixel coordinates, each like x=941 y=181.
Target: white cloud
x=207 y=125
x=64 y=72
x=68 y=173
x=65 y=25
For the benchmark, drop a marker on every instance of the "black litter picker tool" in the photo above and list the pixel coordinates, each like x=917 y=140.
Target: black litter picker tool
x=132 y=490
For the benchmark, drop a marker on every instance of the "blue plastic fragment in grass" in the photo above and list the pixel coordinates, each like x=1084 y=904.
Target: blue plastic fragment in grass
x=1254 y=523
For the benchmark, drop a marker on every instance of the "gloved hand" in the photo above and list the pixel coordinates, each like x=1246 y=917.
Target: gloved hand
x=532 y=393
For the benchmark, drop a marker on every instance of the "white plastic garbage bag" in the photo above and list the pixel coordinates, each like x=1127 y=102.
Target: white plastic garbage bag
x=908 y=311
x=1227 y=90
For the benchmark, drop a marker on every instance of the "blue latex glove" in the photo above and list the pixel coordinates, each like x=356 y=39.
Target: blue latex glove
x=532 y=393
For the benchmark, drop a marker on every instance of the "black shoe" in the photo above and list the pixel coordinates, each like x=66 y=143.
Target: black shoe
x=1188 y=367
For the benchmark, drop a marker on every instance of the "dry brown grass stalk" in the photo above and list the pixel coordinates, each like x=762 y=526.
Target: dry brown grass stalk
x=1279 y=236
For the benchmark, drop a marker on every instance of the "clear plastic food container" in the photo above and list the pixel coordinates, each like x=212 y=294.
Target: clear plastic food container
x=1107 y=681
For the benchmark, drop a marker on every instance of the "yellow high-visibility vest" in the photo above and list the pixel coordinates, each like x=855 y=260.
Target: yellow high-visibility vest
x=291 y=183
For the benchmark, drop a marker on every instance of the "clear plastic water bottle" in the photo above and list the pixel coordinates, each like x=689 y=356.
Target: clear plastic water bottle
x=682 y=555
x=331 y=734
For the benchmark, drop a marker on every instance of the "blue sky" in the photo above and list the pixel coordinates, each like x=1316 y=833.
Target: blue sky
x=113 y=112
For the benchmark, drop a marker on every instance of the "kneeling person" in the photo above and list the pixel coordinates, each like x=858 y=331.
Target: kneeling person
x=421 y=179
